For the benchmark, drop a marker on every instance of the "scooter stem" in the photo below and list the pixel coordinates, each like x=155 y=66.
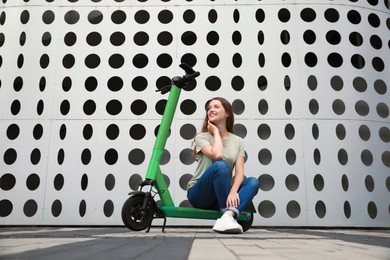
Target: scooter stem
x=163 y=132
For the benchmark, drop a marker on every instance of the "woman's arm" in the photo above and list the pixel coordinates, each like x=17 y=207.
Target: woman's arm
x=233 y=199
x=215 y=150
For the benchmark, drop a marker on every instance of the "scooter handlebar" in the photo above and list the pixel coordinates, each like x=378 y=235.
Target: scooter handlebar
x=181 y=82
x=189 y=77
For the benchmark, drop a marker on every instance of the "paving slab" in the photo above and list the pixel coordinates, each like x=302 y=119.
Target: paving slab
x=192 y=243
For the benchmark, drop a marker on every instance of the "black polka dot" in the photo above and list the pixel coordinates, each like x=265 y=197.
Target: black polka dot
x=308 y=15
x=108 y=208
x=237 y=83
x=115 y=83
x=7 y=181
x=35 y=156
x=65 y=107
x=142 y=17
x=311 y=59
x=110 y=182
x=140 y=60
x=136 y=156
x=60 y=156
x=48 y=17
x=94 y=39
x=24 y=17
x=68 y=61
x=89 y=107
x=332 y=15
x=139 y=83
x=284 y=15
x=212 y=60
x=212 y=16
x=188 y=107
x=44 y=61
x=266 y=209
x=354 y=17
x=72 y=17
x=118 y=17
x=212 y=37
x=138 y=107
x=56 y=208
x=70 y=38
x=6 y=207
x=10 y=156
x=15 y=107
x=33 y=181
x=213 y=83
x=260 y=15
x=30 y=208
x=92 y=61
x=164 y=60
x=13 y=131
x=117 y=38
x=116 y=61
x=95 y=17
x=293 y=209
x=142 y=38
x=188 y=38
x=165 y=16
x=86 y=156
x=59 y=182
x=114 y=107
x=236 y=37
x=84 y=182
x=112 y=132
x=137 y=131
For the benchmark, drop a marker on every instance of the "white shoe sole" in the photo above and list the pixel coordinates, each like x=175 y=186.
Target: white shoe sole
x=229 y=231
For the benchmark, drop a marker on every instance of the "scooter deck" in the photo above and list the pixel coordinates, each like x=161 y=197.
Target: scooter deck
x=196 y=213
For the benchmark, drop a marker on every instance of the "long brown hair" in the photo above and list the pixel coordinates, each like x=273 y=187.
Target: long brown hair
x=229 y=120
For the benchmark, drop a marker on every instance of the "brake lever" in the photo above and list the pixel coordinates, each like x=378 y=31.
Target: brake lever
x=164 y=89
x=186 y=68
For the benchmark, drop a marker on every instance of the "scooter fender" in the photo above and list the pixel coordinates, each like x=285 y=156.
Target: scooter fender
x=142 y=193
x=250 y=208
x=133 y=193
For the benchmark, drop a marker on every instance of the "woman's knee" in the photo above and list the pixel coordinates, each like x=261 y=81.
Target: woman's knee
x=222 y=167
x=254 y=183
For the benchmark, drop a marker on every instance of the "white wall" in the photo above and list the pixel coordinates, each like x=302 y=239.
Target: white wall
x=329 y=167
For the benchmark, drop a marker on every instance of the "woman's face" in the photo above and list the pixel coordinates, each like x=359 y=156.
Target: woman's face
x=216 y=112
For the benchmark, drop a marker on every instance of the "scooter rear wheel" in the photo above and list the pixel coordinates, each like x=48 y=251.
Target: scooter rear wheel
x=246 y=225
x=133 y=216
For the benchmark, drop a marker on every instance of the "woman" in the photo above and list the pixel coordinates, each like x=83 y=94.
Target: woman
x=219 y=151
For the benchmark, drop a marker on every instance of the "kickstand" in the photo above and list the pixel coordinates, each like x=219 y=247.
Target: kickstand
x=165 y=222
x=158 y=215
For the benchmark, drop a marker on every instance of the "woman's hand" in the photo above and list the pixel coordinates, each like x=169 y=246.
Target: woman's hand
x=215 y=149
x=212 y=128
x=233 y=200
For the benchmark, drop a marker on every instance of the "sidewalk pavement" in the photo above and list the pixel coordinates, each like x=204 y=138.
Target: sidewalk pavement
x=192 y=243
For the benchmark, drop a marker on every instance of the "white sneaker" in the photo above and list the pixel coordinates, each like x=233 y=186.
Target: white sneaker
x=227 y=225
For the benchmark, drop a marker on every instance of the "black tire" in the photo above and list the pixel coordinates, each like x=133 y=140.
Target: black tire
x=133 y=217
x=246 y=225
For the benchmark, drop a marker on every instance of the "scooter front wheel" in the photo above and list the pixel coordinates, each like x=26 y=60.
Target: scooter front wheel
x=133 y=216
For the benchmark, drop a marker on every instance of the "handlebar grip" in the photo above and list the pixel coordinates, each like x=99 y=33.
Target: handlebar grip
x=189 y=77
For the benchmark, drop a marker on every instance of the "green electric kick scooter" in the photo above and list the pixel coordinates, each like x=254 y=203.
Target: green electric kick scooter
x=140 y=208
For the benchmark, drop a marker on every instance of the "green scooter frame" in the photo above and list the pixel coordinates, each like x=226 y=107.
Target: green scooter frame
x=140 y=208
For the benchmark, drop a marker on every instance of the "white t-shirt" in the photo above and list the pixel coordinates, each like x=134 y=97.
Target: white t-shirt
x=233 y=147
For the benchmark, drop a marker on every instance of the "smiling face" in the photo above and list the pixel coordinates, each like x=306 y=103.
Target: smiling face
x=219 y=110
x=216 y=112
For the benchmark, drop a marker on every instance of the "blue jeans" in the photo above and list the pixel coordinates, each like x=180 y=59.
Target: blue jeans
x=212 y=189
